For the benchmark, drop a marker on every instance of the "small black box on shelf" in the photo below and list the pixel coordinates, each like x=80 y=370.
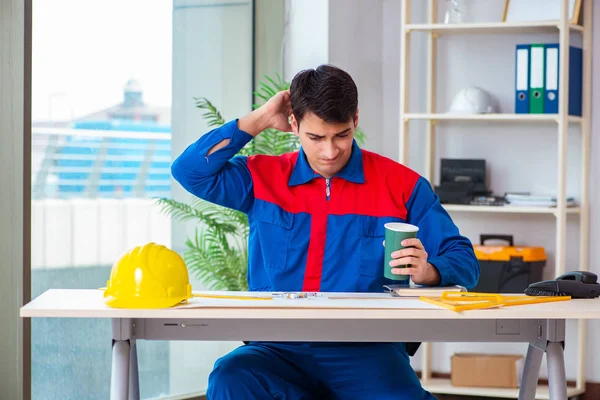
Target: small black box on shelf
x=461 y=180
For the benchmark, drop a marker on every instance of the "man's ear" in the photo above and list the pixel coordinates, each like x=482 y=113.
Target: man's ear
x=356 y=119
x=295 y=125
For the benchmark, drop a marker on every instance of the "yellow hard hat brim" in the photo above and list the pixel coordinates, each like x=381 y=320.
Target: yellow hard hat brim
x=139 y=303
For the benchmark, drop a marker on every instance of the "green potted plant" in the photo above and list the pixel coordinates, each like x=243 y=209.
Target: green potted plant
x=217 y=254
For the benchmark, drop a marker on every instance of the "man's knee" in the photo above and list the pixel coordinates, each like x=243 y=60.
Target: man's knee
x=230 y=374
x=230 y=366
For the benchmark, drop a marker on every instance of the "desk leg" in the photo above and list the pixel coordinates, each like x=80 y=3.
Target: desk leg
x=531 y=373
x=134 y=381
x=557 y=380
x=119 y=380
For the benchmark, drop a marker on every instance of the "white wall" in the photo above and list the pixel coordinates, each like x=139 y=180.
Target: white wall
x=345 y=33
x=212 y=58
x=307 y=39
x=355 y=45
x=593 y=364
x=364 y=38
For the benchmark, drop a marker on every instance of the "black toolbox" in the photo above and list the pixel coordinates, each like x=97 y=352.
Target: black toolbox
x=508 y=269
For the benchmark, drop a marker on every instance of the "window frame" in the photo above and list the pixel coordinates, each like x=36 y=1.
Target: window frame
x=15 y=196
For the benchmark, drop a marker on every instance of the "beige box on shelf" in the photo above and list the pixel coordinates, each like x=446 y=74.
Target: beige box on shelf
x=486 y=370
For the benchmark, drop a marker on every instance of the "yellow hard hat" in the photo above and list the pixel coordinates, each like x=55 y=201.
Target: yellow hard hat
x=149 y=276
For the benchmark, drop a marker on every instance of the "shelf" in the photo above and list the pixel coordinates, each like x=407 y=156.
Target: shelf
x=491 y=27
x=433 y=123
x=443 y=386
x=507 y=209
x=491 y=117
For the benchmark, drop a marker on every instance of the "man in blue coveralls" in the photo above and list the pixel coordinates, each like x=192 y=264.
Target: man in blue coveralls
x=316 y=221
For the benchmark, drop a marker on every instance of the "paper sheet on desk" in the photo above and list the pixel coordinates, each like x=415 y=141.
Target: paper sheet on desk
x=418 y=290
x=326 y=300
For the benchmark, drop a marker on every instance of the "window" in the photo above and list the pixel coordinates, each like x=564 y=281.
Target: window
x=112 y=98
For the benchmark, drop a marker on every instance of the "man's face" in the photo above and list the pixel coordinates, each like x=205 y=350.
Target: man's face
x=327 y=146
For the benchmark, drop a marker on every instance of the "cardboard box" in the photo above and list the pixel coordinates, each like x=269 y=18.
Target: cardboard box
x=486 y=370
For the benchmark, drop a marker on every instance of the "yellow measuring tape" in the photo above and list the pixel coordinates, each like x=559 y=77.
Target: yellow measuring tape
x=461 y=301
x=228 y=296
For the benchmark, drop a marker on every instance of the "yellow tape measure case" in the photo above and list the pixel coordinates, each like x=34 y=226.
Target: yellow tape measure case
x=508 y=269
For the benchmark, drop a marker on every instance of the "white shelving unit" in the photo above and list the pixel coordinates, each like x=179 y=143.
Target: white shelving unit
x=491 y=27
x=492 y=117
x=563 y=28
x=509 y=209
x=436 y=385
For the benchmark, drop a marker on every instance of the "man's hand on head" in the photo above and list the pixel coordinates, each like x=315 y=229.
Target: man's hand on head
x=279 y=109
x=273 y=114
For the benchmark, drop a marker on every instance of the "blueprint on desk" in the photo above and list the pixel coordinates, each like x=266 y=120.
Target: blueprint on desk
x=323 y=300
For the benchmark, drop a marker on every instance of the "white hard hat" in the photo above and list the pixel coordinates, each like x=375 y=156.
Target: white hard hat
x=473 y=100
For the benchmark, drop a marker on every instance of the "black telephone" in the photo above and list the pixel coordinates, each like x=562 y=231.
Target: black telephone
x=577 y=284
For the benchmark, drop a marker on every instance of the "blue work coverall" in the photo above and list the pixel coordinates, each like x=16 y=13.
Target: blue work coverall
x=308 y=233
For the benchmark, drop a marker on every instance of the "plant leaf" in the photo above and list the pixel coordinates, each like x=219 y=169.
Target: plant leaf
x=212 y=116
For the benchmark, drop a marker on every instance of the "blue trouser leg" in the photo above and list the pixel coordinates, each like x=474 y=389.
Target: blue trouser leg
x=286 y=371
x=263 y=372
x=368 y=371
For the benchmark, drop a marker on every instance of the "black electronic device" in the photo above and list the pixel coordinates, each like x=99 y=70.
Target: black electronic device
x=461 y=180
x=577 y=284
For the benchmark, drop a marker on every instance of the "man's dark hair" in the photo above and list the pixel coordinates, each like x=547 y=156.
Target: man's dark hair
x=328 y=92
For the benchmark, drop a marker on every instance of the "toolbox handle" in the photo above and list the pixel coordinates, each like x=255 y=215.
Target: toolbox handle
x=507 y=238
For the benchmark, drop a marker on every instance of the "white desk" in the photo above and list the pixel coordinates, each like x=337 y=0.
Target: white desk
x=325 y=319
